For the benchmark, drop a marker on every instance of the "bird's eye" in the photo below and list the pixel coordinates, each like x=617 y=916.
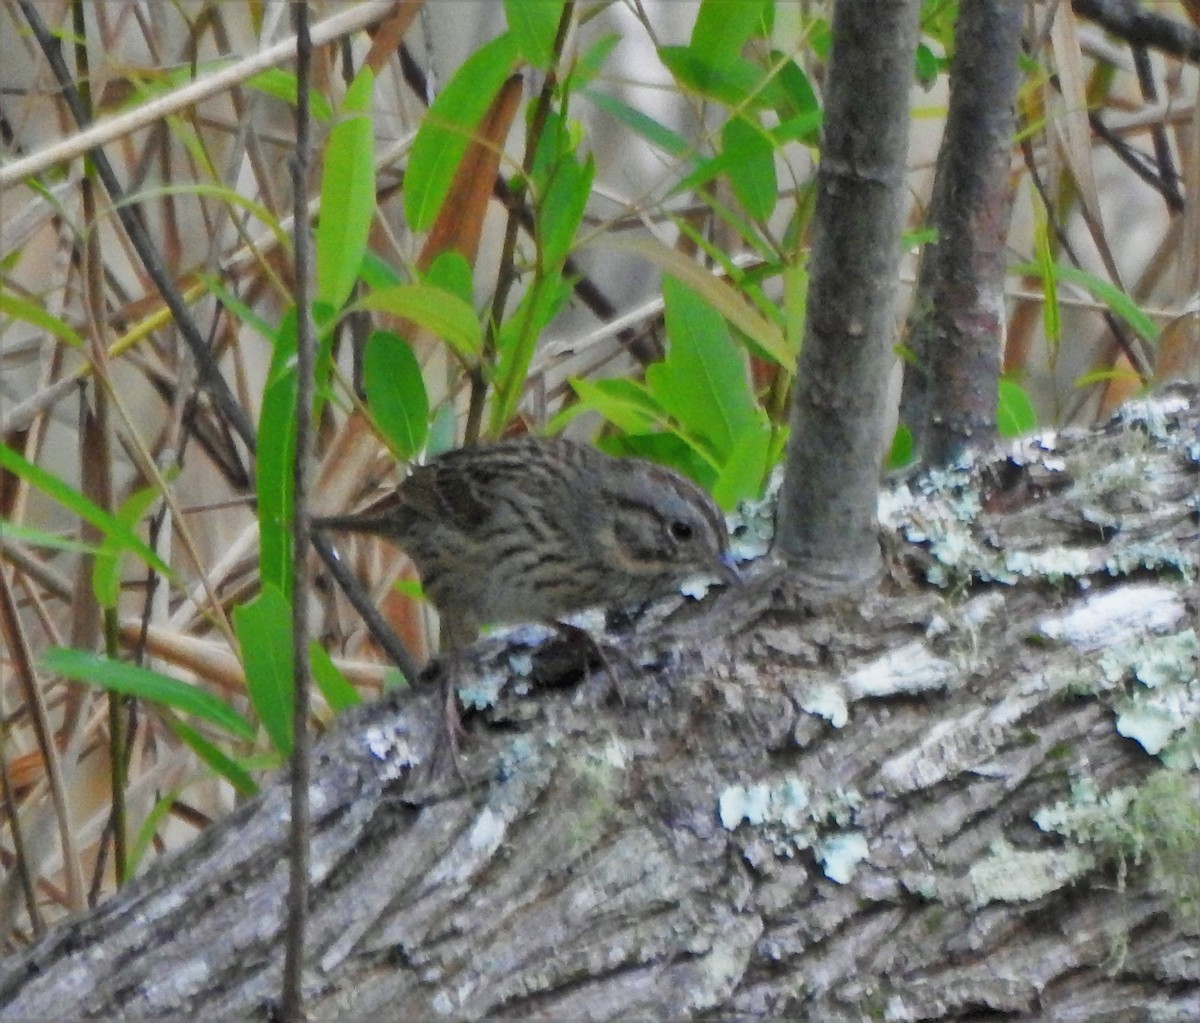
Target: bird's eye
x=681 y=531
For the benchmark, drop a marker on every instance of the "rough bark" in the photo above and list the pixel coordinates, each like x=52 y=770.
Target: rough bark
x=826 y=509
x=956 y=327
x=601 y=867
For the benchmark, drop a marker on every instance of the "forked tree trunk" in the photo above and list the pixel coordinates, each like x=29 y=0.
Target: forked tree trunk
x=603 y=865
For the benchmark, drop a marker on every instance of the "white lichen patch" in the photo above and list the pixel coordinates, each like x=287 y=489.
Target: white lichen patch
x=752 y=525
x=787 y=818
x=484 y=692
x=827 y=701
x=1015 y=875
x=487 y=832
x=392 y=746
x=911 y=668
x=1116 y=616
x=1166 y=704
x=1154 y=413
x=841 y=854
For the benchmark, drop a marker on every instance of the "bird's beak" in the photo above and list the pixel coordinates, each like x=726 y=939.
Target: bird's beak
x=728 y=570
x=375 y=518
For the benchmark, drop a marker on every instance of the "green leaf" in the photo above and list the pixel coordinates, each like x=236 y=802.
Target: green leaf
x=624 y=403
x=665 y=448
x=516 y=341
x=533 y=25
x=451 y=272
x=40 y=538
x=658 y=135
x=751 y=166
x=120 y=677
x=561 y=211
x=347 y=195
x=593 y=59
x=798 y=100
x=1014 y=411
x=442 y=314
x=106 y=573
x=147 y=831
x=745 y=471
x=210 y=754
x=718 y=292
x=396 y=393
x=702 y=382
x=338 y=693
x=732 y=81
x=1113 y=297
x=74 y=501
x=901 y=453
x=722 y=28
x=448 y=126
x=276 y=457
x=239 y=310
x=282 y=85
x=36 y=315
x=264 y=632
x=376 y=272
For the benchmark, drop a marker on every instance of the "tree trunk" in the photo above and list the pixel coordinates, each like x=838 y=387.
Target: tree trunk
x=915 y=807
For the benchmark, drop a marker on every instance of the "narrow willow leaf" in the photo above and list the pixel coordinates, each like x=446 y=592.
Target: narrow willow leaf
x=106 y=573
x=74 y=501
x=703 y=381
x=119 y=677
x=396 y=393
x=338 y=693
x=716 y=291
x=40 y=538
x=36 y=315
x=534 y=27
x=745 y=470
x=442 y=314
x=561 y=210
x=1014 y=411
x=722 y=28
x=210 y=754
x=624 y=403
x=282 y=85
x=751 y=166
x=447 y=128
x=347 y=195
x=264 y=632
x=657 y=134
x=276 y=457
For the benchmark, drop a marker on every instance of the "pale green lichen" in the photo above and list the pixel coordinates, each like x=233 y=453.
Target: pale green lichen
x=1007 y=874
x=1155 y=825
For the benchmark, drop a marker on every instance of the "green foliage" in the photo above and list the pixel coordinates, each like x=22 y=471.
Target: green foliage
x=264 y=631
x=347 y=195
x=1015 y=415
x=119 y=677
x=447 y=128
x=276 y=457
x=119 y=534
x=396 y=393
x=713 y=407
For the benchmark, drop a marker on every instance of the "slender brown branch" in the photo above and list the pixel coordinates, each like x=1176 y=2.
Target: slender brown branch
x=292 y=998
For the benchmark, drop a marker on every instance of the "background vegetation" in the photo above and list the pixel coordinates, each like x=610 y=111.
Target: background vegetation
x=528 y=217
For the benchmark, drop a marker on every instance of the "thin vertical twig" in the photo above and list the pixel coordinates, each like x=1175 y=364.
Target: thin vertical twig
x=291 y=1001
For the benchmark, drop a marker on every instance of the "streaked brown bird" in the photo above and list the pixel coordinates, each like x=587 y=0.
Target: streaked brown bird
x=537 y=527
